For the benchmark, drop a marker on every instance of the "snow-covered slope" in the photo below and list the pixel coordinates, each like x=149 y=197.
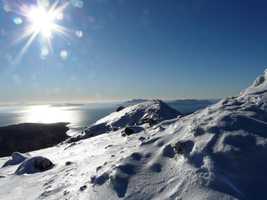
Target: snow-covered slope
x=216 y=153
x=258 y=87
x=148 y=112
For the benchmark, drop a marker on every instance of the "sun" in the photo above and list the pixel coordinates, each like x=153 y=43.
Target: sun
x=42 y=21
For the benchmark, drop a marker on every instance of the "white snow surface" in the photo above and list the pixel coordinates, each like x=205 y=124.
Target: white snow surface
x=259 y=85
x=215 y=153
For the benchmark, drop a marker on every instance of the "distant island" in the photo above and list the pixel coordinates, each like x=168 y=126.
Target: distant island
x=31 y=136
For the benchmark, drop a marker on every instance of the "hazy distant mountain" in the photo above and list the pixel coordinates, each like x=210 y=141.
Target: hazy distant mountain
x=193 y=101
x=133 y=102
x=190 y=105
x=184 y=106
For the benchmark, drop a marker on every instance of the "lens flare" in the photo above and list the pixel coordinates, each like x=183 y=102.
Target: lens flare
x=43 y=22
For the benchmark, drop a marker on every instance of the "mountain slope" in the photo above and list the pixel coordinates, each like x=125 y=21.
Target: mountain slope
x=150 y=112
x=216 y=153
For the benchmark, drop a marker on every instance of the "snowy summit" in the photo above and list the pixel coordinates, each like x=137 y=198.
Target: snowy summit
x=148 y=112
x=215 y=153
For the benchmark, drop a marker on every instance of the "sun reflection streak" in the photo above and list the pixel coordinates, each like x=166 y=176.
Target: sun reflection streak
x=49 y=114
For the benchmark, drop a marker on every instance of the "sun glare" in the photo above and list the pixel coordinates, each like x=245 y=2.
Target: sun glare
x=49 y=114
x=42 y=21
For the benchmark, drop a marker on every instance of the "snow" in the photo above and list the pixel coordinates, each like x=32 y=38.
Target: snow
x=259 y=85
x=215 y=153
x=145 y=112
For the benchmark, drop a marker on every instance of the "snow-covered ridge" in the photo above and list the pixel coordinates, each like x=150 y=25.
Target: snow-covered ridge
x=148 y=112
x=259 y=85
x=215 y=153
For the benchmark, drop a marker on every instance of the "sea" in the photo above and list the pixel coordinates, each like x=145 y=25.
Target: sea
x=79 y=116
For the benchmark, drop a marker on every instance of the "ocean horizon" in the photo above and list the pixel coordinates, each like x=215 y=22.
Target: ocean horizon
x=78 y=116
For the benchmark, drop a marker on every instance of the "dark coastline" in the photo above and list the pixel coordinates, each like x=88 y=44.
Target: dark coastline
x=30 y=136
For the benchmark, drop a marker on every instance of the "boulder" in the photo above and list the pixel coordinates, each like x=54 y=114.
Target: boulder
x=120 y=108
x=16 y=158
x=34 y=165
x=131 y=130
x=184 y=147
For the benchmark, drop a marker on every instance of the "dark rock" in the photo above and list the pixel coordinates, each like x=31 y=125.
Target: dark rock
x=110 y=145
x=136 y=156
x=184 y=147
x=199 y=131
x=168 y=151
x=120 y=108
x=16 y=158
x=82 y=188
x=93 y=178
x=68 y=163
x=142 y=138
x=131 y=130
x=148 y=155
x=42 y=164
x=127 y=168
x=150 y=141
x=115 y=128
x=128 y=131
x=74 y=139
x=150 y=121
x=119 y=183
x=156 y=167
x=66 y=192
x=160 y=143
x=98 y=168
x=100 y=180
x=34 y=165
x=70 y=145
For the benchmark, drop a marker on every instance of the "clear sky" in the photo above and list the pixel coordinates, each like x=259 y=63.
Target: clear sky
x=122 y=49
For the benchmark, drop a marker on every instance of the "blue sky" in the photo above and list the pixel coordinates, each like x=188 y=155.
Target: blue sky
x=164 y=49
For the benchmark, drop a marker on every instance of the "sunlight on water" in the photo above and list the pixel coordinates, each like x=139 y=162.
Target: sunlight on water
x=49 y=114
x=78 y=115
